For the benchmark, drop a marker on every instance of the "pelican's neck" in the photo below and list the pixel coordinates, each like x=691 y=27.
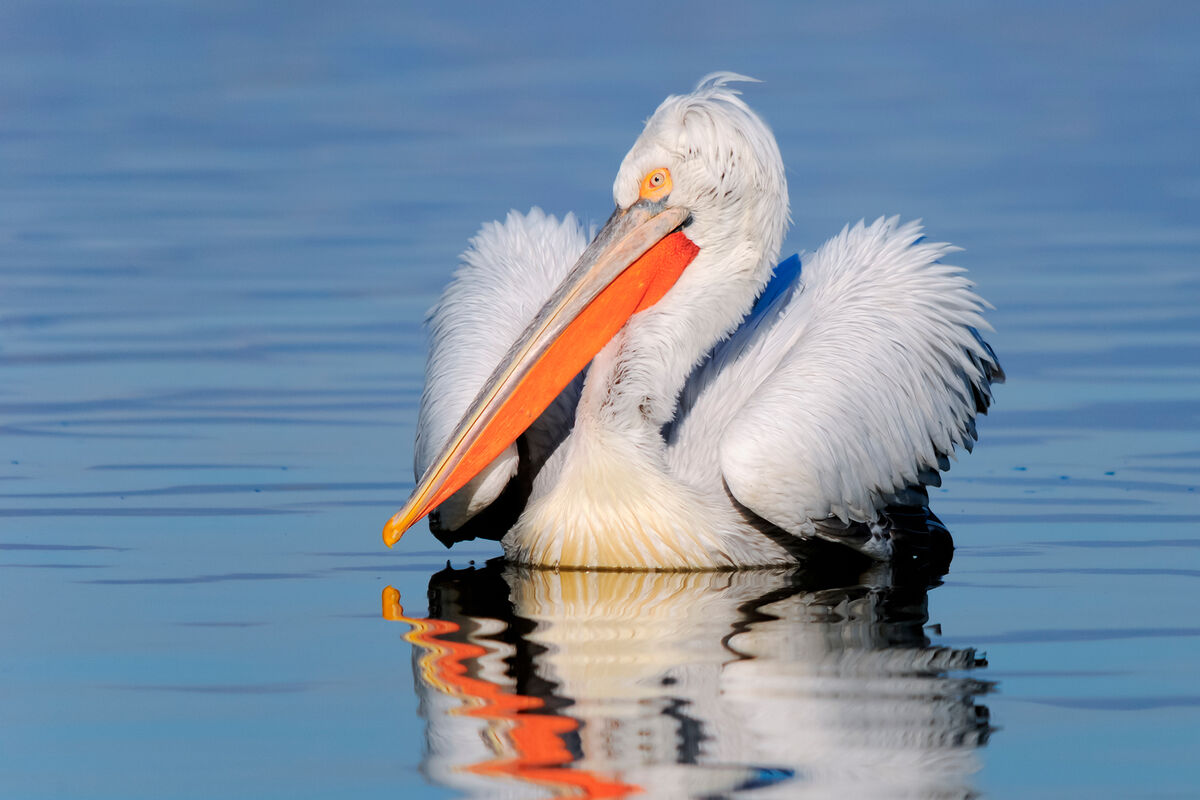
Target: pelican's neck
x=633 y=385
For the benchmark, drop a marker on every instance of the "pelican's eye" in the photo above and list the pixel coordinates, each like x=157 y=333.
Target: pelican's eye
x=657 y=184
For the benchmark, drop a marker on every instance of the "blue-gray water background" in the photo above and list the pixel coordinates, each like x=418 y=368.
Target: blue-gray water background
x=221 y=224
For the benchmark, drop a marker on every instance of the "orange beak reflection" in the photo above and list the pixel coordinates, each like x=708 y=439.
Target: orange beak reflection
x=528 y=739
x=634 y=260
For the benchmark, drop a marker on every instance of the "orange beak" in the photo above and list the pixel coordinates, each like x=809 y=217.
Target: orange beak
x=629 y=266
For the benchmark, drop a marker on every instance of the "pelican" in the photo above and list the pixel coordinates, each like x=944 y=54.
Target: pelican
x=669 y=396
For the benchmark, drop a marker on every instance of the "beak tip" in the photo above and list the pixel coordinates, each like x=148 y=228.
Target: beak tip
x=396 y=526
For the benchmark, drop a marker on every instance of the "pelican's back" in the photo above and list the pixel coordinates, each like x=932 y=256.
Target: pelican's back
x=848 y=390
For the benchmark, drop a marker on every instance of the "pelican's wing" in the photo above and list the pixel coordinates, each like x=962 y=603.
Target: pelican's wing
x=506 y=275
x=845 y=388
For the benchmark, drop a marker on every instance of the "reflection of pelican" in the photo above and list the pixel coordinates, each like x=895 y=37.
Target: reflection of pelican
x=608 y=684
x=830 y=398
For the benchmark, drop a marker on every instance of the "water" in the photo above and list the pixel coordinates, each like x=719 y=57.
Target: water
x=220 y=226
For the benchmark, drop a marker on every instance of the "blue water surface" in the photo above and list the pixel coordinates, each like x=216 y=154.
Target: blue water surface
x=221 y=225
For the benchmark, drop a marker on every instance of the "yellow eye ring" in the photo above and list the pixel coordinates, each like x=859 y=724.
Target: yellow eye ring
x=657 y=184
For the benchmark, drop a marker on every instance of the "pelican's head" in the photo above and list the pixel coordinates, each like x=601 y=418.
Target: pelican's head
x=704 y=183
x=708 y=153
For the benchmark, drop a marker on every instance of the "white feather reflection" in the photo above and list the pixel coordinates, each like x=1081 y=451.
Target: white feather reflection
x=536 y=683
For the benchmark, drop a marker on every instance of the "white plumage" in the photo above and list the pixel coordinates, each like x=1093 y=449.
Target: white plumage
x=865 y=365
x=711 y=430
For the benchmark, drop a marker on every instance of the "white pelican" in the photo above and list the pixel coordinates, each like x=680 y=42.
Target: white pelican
x=724 y=417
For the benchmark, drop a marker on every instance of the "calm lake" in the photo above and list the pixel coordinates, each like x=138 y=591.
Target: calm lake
x=221 y=225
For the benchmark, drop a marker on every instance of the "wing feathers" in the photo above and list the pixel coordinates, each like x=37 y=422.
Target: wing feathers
x=879 y=374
